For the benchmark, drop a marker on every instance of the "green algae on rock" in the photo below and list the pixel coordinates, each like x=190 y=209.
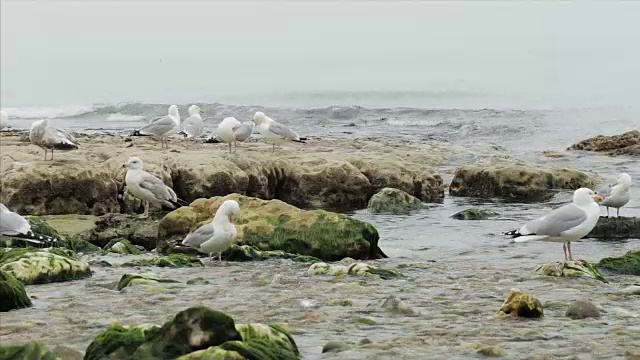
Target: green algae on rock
x=616 y=228
x=12 y=293
x=109 y=227
x=571 y=268
x=521 y=304
x=122 y=247
x=40 y=225
x=393 y=201
x=275 y=225
x=337 y=346
x=251 y=253
x=30 y=351
x=356 y=269
x=474 y=214
x=172 y=260
x=516 y=181
x=118 y=342
x=38 y=266
x=628 y=264
x=624 y=144
x=274 y=333
x=140 y=279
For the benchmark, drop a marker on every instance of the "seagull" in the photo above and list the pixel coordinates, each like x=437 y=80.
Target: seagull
x=616 y=195
x=193 y=126
x=4 y=119
x=14 y=225
x=148 y=188
x=218 y=235
x=46 y=137
x=568 y=223
x=163 y=126
x=274 y=132
x=231 y=130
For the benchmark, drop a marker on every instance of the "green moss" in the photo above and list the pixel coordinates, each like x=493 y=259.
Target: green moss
x=118 y=342
x=365 y=321
x=123 y=247
x=521 y=304
x=276 y=334
x=12 y=293
x=577 y=268
x=172 y=260
x=41 y=226
x=135 y=279
x=38 y=266
x=393 y=201
x=355 y=269
x=628 y=264
x=259 y=349
x=198 y=281
x=251 y=253
x=474 y=214
x=30 y=351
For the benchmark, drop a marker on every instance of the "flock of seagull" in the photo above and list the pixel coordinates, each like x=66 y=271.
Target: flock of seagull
x=568 y=223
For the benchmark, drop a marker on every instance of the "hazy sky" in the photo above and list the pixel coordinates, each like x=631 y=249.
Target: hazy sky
x=56 y=53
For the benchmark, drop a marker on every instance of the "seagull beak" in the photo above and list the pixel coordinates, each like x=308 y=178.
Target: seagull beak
x=124 y=165
x=201 y=111
x=598 y=198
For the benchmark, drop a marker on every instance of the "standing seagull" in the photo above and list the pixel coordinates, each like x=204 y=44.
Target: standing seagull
x=231 y=130
x=218 y=235
x=616 y=195
x=46 y=137
x=274 y=132
x=163 y=126
x=568 y=223
x=4 y=119
x=14 y=225
x=148 y=188
x=193 y=126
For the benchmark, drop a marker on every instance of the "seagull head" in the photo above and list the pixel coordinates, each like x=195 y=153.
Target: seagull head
x=134 y=163
x=624 y=179
x=230 y=208
x=195 y=109
x=173 y=110
x=585 y=196
x=259 y=117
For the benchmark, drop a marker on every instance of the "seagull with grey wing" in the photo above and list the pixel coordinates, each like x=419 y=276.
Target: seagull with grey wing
x=47 y=137
x=218 y=235
x=273 y=132
x=162 y=127
x=14 y=225
x=233 y=131
x=148 y=188
x=568 y=223
x=616 y=195
x=192 y=127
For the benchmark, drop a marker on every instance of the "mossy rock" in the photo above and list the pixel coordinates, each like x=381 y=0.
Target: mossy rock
x=521 y=304
x=571 y=268
x=141 y=279
x=38 y=266
x=122 y=247
x=474 y=214
x=356 y=269
x=624 y=144
x=275 y=225
x=628 y=264
x=276 y=334
x=254 y=349
x=171 y=260
x=119 y=342
x=393 y=201
x=516 y=181
x=616 y=228
x=337 y=346
x=251 y=253
x=110 y=227
x=28 y=351
x=193 y=329
x=12 y=293
x=40 y=225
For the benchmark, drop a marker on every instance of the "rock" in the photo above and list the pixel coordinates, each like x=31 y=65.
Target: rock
x=12 y=293
x=138 y=279
x=628 y=264
x=625 y=144
x=521 y=304
x=616 y=228
x=582 y=309
x=31 y=351
x=172 y=260
x=67 y=353
x=276 y=334
x=395 y=305
x=111 y=227
x=393 y=201
x=118 y=342
x=275 y=225
x=337 y=174
x=356 y=269
x=571 y=268
x=251 y=253
x=38 y=266
x=629 y=290
x=336 y=346
x=516 y=181
x=491 y=351
x=40 y=225
x=198 y=281
x=474 y=214
x=123 y=247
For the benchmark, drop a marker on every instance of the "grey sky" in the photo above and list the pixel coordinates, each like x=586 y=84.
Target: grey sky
x=82 y=52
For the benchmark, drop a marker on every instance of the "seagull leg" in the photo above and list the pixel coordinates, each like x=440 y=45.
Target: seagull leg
x=569 y=248
x=220 y=258
x=235 y=147
x=51 y=154
x=45 y=154
x=607 y=211
x=564 y=249
x=618 y=212
x=229 y=148
x=211 y=259
x=274 y=148
x=146 y=211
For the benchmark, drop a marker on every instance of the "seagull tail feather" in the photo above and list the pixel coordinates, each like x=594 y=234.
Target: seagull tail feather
x=36 y=238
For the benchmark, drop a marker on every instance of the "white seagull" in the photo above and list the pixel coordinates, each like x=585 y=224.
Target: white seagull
x=46 y=137
x=274 y=132
x=14 y=225
x=193 y=126
x=4 y=119
x=218 y=235
x=163 y=126
x=616 y=195
x=233 y=131
x=148 y=188
x=568 y=223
